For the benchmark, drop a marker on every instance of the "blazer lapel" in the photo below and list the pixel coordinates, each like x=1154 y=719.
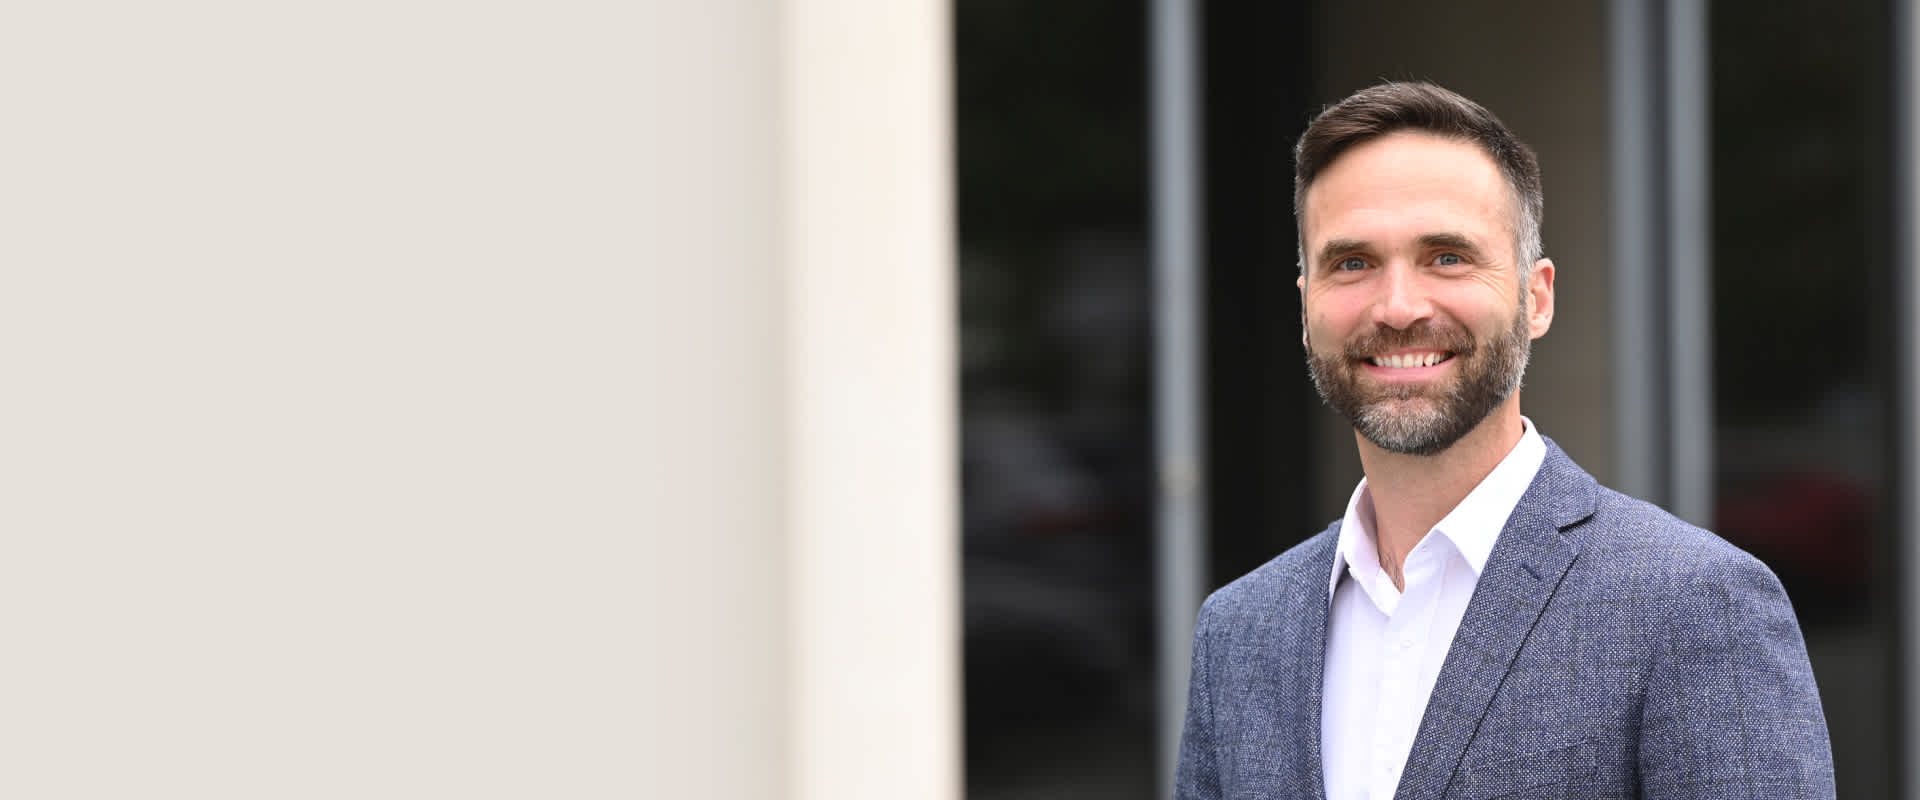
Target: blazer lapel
x=1293 y=643
x=1521 y=574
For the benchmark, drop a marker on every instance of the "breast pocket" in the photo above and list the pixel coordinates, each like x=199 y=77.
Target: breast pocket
x=1530 y=775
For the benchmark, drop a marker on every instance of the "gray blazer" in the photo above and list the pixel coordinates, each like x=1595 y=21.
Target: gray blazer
x=1609 y=651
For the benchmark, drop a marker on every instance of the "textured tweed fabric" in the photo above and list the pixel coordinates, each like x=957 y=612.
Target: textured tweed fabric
x=1609 y=651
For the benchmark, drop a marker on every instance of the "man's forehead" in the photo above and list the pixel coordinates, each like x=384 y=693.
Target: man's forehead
x=1403 y=176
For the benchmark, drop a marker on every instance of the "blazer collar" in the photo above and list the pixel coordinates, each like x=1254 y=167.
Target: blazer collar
x=1521 y=574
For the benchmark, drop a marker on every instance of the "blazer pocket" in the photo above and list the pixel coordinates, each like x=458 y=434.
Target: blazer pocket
x=1507 y=776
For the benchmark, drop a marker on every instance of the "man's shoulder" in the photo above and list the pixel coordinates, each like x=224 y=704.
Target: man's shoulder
x=1640 y=542
x=1626 y=537
x=1272 y=587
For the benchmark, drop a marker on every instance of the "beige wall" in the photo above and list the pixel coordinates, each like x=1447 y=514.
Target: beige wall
x=521 y=399
x=1542 y=68
x=711 y=311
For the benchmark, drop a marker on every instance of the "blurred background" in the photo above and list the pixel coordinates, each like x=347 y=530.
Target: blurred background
x=1719 y=183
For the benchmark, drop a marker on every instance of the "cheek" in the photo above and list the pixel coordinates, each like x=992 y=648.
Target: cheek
x=1480 y=307
x=1332 y=321
x=1322 y=308
x=1313 y=327
x=1488 y=292
x=1323 y=336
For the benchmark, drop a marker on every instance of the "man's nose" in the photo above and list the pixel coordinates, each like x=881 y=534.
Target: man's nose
x=1403 y=299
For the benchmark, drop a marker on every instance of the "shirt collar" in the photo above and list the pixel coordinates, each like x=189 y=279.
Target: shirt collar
x=1472 y=526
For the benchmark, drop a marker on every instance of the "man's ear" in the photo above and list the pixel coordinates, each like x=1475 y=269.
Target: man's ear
x=1301 y=284
x=1540 y=298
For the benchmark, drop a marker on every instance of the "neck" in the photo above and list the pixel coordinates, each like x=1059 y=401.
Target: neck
x=1411 y=494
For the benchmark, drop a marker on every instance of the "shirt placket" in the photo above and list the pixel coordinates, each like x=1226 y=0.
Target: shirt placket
x=1398 y=715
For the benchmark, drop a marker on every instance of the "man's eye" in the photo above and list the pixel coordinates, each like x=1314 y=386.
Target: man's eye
x=1449 y=260
x=1351 y=264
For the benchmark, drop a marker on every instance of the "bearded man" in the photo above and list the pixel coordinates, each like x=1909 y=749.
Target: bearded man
x=1485 y=620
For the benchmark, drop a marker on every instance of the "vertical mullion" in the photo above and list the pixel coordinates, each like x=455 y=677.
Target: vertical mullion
x=1638 y=316
x=1690 y=263
x=1906 y=478
x=1176 y=218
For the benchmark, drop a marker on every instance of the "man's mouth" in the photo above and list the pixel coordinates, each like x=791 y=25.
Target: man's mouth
x=1423 y=358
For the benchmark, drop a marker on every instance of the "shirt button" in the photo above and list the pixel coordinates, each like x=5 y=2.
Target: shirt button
x=1406 y=644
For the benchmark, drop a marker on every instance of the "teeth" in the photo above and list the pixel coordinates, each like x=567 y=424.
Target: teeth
x=1409 y=360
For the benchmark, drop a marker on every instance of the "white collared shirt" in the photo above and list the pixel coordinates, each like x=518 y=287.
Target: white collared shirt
x=1385 y=647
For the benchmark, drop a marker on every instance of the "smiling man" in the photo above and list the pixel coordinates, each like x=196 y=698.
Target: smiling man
x=1485 y=620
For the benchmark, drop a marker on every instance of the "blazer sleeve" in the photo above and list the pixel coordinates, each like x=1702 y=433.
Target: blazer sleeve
x=1730 y=707
x=1197 y=777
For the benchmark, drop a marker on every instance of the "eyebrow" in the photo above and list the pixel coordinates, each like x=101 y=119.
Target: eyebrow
x=1340 y=247
x=1450 y=241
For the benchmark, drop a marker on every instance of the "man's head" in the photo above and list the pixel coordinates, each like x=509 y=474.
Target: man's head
x=1421 y=284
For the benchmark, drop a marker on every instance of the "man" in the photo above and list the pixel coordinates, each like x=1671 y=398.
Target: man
x=1486 y=620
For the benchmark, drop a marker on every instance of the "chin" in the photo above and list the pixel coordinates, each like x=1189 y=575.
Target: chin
x=1415 y=426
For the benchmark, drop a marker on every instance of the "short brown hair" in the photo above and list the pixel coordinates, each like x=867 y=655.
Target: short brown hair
x=1395 y=106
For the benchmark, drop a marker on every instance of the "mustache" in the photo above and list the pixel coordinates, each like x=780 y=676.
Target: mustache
x=1422 y=335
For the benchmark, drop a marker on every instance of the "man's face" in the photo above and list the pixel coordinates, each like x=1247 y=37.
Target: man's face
x=1416 y=322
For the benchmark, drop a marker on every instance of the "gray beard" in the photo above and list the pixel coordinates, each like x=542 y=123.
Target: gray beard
x=1423 y=420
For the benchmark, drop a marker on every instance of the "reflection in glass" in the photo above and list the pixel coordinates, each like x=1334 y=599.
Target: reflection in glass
x=1055 y=426
x=1801 y=321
